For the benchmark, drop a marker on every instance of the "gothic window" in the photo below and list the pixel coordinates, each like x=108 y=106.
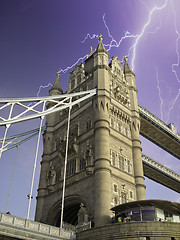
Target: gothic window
x=101 y=60
x=121 y=163
x=58 y=175
x=78 y=79
x=73 y=130
x=118 y=127
x=122 y=129
x=82 y=163
x=72 y=83
x=126 y=131
x=112 y=122
x=88 y=125
x=128 y=166
x=113 y=158
x=131 y=195
x=115 y=188
x=71 y=167
x=115 y=201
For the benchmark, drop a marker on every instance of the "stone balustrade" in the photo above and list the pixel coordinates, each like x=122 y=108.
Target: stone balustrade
x=28 y=227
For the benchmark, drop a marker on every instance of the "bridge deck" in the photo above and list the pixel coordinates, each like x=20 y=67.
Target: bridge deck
x=159 y=133
x=161 y=174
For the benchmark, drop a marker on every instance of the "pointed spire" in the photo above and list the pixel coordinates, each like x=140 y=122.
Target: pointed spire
x=127 y=68
x=56 y=88
x=100 y=47
x=91 y=51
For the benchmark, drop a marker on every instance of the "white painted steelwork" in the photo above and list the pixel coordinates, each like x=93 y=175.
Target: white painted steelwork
x=60 y=102
x=15 y=140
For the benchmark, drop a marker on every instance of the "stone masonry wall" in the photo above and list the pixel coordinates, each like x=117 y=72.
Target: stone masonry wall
x=133 y=231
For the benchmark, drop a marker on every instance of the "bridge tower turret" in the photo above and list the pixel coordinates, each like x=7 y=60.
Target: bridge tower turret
x=135 y=131
x=102 y=169
x=51 y=120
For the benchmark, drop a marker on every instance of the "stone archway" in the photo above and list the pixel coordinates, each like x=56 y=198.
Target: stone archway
x=74 y=207
x=70 y=215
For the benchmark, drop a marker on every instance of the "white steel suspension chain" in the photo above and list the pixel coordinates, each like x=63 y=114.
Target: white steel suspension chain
x=12 y=177
x=35 y=162
x=6 y=129
x=65 y=164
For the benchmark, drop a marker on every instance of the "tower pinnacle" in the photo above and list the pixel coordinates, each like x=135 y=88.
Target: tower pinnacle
x=100 y=38
x=100 y=47
x=127 y=68
x=56 y=88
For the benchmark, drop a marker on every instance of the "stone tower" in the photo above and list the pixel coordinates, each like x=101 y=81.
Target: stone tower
x=104 y=165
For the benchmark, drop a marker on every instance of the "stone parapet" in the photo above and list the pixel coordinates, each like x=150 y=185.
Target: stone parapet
x=134 y=231
x=12 y=227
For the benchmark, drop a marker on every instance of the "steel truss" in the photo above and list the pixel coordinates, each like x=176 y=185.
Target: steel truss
x=38 y=107
x=15 y=140
x=30 y=106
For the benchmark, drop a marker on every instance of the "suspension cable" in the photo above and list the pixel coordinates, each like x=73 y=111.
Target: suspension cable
x=35 y=161
x=6 y=129
x=12 y=177
x=65 y=164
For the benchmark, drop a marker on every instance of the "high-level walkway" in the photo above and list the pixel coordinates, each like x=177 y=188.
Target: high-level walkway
x=159 y=133
x=161 y=174
x=18 y=228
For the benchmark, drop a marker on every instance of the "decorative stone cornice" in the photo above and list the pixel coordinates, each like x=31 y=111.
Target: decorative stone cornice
x=120 y=114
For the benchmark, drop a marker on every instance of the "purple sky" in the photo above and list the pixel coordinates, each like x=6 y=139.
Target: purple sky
x=39 y=37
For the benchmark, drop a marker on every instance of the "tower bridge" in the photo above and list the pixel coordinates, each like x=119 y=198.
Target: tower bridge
x=92 y=157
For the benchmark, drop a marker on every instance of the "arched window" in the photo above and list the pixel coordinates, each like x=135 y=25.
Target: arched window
x=121 y=163
x=113 y=158
x=115 y=188
x=82 y=163
x=88 y=125
x=71 y=167
x=72 y=83
x=115 y=201
x=58 y=175
x=129 y=166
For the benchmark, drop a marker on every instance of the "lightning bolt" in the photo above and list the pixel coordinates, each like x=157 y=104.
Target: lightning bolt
x=63 y=71
x=89 y=36
x=144 y=29
x=74 y=64
x=133 y=48
x=175 y=65
x=159 y=91
x=173 y=102
x=157 y=29
x=42 y=87
x=113 y=42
